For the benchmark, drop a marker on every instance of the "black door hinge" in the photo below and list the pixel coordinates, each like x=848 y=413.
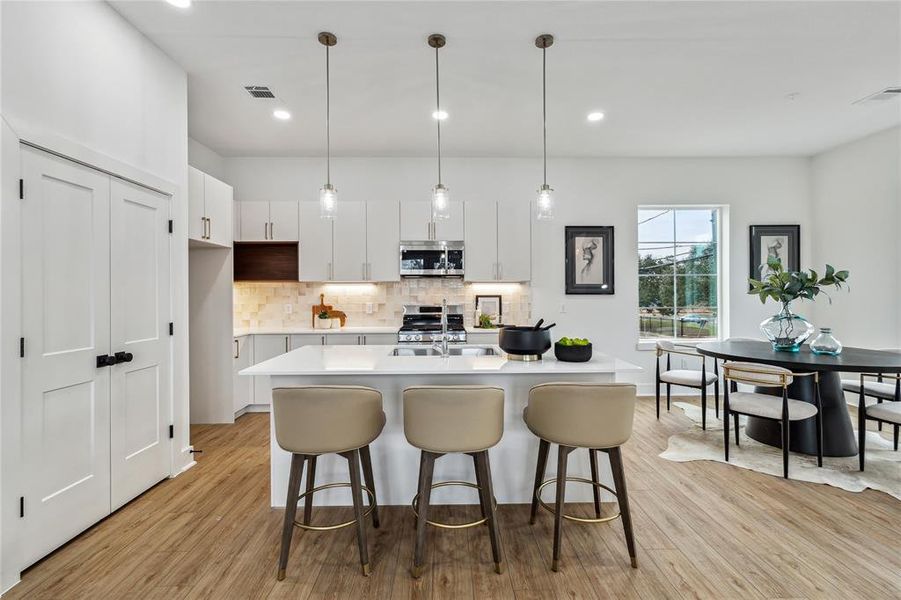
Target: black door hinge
x=21 y=347
x=21 y=507
x=171 y=328
x=171 y=431
x=21 y=189
x=171 y=225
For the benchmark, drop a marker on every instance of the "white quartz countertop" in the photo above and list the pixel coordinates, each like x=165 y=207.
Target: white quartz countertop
x=377 y=360
x=342 y=331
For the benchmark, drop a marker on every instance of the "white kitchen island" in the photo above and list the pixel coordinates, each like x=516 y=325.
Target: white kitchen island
x=395 y=463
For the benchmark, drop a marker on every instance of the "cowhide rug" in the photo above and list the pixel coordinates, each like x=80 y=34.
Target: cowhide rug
x=883 y=468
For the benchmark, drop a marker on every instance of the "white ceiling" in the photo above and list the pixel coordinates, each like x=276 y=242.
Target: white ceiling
x=674 y=78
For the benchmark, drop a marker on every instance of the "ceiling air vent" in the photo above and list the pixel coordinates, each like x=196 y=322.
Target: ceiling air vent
x=889 y=93
x=259 y=91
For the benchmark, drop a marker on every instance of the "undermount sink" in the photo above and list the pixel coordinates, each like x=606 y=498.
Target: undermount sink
x=452 y=350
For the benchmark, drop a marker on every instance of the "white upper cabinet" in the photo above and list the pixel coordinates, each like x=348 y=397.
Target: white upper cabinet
x=349 y=242
x=196 y=209
x=383 y=241
x=514 y=241
x=219 y=211
x=498 y=241
x=416 y=222
x=269 y=221
x=315 y=244
x=481 y=241
x=283 y=226
x=450 y=229
x=361 y=244
x=210 y=209
x=254 y=221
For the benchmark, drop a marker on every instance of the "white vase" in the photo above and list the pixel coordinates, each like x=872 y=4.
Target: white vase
x=323 y=323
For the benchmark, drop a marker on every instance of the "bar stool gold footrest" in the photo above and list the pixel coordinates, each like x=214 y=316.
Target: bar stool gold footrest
x=415 y=507
x=328 y=486
x=551 y=509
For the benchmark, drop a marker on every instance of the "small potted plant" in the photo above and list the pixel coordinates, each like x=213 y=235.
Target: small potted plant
x=323 y=321
x=786 y=330
x=485 y=322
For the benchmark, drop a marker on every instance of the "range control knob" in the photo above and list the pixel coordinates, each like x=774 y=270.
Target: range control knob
x=417 y=337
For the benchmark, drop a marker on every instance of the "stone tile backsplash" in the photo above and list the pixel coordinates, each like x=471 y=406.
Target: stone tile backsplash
x=264 y=305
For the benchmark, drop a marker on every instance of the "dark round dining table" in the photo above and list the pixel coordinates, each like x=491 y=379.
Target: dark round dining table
x=838 y=435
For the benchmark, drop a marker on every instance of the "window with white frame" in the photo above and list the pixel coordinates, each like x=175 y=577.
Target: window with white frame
x=679 y=272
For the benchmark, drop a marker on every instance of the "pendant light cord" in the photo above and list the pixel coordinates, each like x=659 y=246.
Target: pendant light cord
x=544 y=107
x=438 y=111
x=328 y=132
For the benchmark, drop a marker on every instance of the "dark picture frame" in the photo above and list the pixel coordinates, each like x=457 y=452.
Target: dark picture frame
x=784 y=240
x=500 y=307
x=589 y=259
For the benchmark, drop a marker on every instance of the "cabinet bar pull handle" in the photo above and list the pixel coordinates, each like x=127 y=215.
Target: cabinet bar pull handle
x=237 y=350
x=265 y=231
x=286 y=343
x=209 y=230
x=271 y=230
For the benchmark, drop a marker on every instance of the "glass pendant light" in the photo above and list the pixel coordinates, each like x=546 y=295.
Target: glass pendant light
x=440 y=196
x=328 y=194
x=545 y=202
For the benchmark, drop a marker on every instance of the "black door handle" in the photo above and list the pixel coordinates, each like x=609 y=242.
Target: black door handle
x=123 y=357
x=105 y=360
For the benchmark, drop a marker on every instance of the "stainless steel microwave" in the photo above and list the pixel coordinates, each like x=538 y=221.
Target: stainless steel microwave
x=431 y=259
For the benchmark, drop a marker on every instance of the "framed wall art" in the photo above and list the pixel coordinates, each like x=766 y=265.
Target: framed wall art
x=589 y=260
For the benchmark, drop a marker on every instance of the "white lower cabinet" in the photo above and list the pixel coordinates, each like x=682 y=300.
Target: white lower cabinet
x=243 y=358
x=264 y=348
x=481 y=338
x=249 y=350
x=379 y=339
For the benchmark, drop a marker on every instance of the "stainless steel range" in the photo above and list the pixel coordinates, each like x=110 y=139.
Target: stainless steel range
x=422 y=324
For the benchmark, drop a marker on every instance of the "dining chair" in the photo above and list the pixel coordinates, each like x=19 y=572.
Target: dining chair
x=766 y=406
x=690 y=378
x=889 y=412
x=877 y=389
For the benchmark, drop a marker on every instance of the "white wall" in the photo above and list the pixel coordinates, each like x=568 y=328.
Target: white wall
x=201 y=157
x=81 y=80
x=857 y=220
x=589 y=192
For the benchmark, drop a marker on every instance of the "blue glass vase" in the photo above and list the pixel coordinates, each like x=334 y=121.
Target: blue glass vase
x=786 y=330
x=825 y=343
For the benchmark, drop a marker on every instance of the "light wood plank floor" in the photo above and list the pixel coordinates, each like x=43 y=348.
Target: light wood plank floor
x=704 y=530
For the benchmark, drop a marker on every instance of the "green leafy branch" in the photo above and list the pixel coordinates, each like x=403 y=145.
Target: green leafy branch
x=784 y=286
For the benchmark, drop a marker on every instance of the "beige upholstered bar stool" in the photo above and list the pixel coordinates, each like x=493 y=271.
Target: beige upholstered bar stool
x=315 y=420
x=441 y=420
x=595 y=416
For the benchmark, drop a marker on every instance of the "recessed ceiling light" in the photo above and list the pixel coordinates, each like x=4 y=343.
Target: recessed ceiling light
x=281 y=114
x=180 y=3
x=439 y=115
x=594 y=117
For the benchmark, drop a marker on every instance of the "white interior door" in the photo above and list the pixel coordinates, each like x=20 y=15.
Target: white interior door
x=139 y=337
x=66 y=325
x=349 y=245
x=480 y=260
x=383 y=240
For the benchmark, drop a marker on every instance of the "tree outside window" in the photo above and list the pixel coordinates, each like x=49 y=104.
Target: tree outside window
x=678 y=273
